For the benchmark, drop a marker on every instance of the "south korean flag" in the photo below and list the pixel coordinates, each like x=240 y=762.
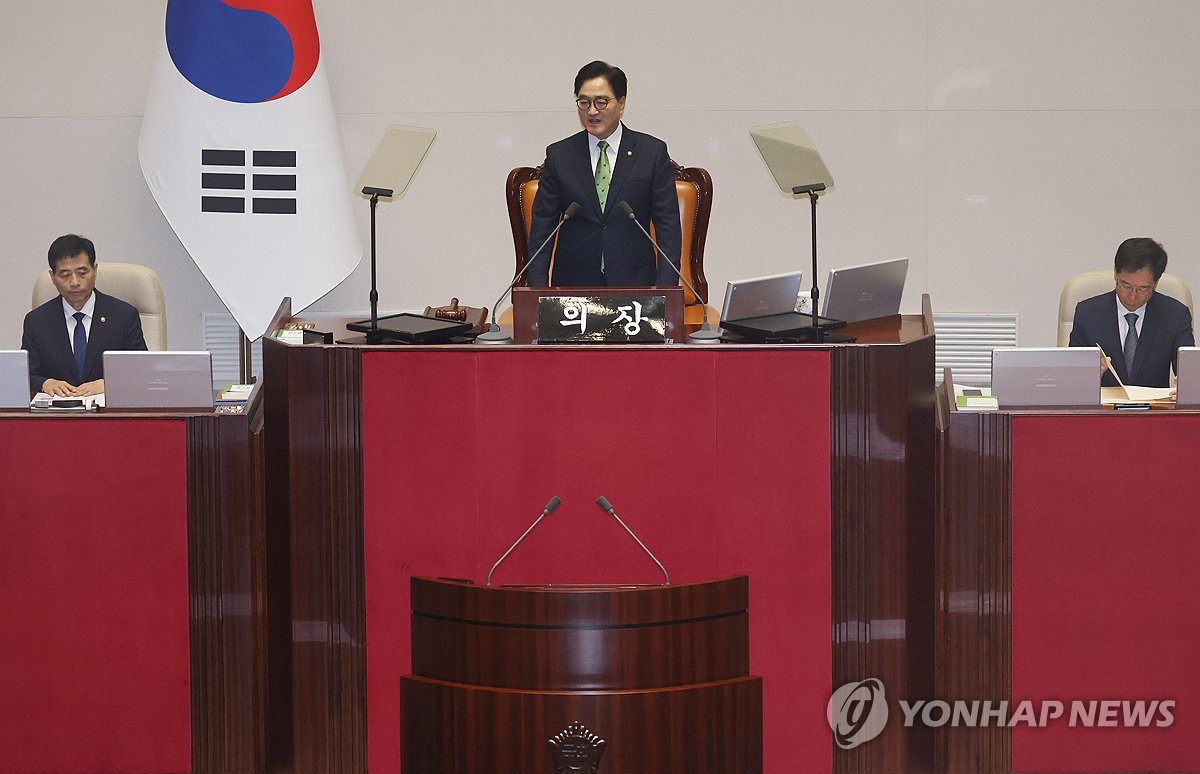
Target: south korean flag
x=240 y=148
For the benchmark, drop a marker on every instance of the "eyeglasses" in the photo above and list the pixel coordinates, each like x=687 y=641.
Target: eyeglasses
x=1134 y=290
x=599 y=102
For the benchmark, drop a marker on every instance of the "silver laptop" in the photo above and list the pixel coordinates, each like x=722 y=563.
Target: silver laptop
x=1187 y=371
x=14 y=379
x=865 y=292
x=761 y=296
x=158 y=380
x=1046 y=376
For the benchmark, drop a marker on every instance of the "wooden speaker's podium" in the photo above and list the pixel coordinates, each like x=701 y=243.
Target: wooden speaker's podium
x=538 y=679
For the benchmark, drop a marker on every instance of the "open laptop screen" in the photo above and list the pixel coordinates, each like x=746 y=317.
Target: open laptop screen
x=865 y=292
x=1046 y=376
x=1187 y=370
x=157 y=379
x=14 y=379
x=761 y=296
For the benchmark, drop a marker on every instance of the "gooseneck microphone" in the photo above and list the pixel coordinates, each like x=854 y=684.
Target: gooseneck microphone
x=494 y=335
x=607 y=507
x=706 y=335
x=549 y=509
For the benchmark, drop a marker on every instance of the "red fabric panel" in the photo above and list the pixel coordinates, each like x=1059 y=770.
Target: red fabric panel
x=1104 y=600
x=94 y=667
x=718 y=460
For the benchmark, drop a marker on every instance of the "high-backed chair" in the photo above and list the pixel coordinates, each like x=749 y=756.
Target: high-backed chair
x=1093 y=283
x=132 y=283
x=694 y=187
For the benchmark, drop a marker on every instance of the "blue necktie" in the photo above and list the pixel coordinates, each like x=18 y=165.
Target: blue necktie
x=80 y=345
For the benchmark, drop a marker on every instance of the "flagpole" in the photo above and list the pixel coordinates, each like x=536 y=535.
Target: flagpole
x=245 y=358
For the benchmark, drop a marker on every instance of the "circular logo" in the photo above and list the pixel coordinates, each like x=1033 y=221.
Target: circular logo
x=247 y=51
x=857 y=713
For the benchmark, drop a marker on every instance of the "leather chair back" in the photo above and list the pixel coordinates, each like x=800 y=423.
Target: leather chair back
x=132 y=283
x=1093 y=283
x=694 y=188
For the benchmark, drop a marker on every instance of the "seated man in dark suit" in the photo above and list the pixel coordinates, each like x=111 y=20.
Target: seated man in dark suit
x=67 y=336
x=1138 y=329
x=605 y=164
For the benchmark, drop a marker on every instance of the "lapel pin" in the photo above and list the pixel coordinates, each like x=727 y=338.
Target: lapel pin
x=102 y=319
x=628 y=153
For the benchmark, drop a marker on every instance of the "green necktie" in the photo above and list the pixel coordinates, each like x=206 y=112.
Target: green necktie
x=603 y=175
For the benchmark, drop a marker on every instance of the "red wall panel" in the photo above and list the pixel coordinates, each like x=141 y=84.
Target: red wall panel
x=709 y=459
x=94 y=667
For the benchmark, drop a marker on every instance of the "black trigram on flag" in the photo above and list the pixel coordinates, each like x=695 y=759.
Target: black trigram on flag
x=272 y=175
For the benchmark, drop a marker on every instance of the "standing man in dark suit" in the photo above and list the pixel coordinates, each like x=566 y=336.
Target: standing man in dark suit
x=1138 y=329
x=66 y=337
x=605 y=164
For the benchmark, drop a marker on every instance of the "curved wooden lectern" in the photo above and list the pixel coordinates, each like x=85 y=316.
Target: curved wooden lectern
x=549 y=679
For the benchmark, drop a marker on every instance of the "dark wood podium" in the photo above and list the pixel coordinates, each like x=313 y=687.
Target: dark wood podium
x=637 y=678
x=808 y=468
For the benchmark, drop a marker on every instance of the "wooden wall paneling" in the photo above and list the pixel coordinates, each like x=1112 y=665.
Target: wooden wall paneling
x=882 y=457
x=227 y=583
x=974 y=582
x=314 y=427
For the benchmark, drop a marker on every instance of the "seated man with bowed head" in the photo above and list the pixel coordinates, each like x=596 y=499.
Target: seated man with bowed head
x=67 y=336
x=599 y=167
x=1138 y=329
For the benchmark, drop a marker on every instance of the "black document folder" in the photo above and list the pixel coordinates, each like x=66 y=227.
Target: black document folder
x=794 y=326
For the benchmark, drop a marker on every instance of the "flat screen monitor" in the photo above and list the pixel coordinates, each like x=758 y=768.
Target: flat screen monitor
x=865 y=292
x=1066 y=377
x=412 y=328
x=14 y=379
x=157 y=380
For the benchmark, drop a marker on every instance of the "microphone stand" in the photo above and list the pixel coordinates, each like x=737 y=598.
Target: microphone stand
x=607 y=507
x=373 y=335
x=494 y=335
x=706 y=335
x=549 y=509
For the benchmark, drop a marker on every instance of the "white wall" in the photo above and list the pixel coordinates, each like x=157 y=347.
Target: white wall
x=1001 y=145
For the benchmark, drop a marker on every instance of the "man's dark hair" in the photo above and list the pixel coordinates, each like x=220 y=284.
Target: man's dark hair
x=69 y=246
x=1137 y=253
x=614 y=75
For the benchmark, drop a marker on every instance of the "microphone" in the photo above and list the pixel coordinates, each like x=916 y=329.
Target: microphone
x=549 y=509
x=494 y=335
x=607 y=507
x=705 y=335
